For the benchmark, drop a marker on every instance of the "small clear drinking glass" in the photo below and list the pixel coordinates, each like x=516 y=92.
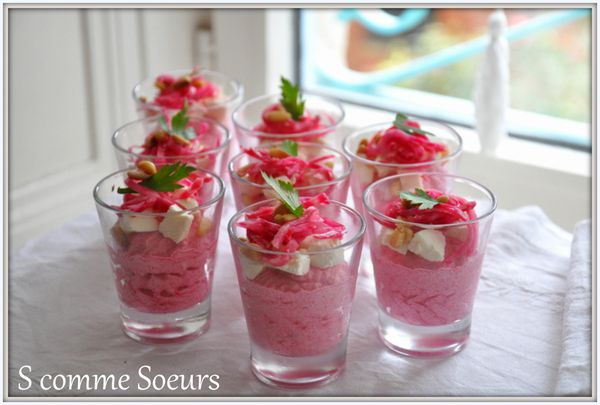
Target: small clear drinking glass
x=220 y=110
x=425 y=305
x=247 y=193
x=128 y=142
x=164 y=287
x=248 y=115
x=298 y=325
x=366 y=172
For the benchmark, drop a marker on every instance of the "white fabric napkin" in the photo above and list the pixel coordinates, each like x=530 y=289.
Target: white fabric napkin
x=63 y=318
x=575 y=370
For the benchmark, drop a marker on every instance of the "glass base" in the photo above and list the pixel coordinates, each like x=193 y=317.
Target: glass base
x=298 y=372
x=172 y=327
x=423 y=341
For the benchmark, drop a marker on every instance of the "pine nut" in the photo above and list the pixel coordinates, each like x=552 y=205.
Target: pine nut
x=182 y=141
x=137 y=175
x=278 y=116
x=147 y=167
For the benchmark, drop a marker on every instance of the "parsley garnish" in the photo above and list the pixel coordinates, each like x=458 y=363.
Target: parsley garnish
x=179 y=123
x=289 y=147
x=164 y=180
x=420 y=198
x=287 y=194
x=399 y=123
x=291 y=99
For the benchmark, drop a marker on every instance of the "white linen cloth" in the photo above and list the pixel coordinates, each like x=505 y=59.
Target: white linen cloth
x=63 y=318
x=575 y=371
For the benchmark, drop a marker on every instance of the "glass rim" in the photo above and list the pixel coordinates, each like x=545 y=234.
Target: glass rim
x=130 y=124
x=447 y=158
x=462 y=179
x=337 y=180
x=219 y=196
x=236 y=84
x=255 y=133
x=359 y=234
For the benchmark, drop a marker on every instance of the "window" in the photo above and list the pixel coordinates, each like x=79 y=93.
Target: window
x=424 y=62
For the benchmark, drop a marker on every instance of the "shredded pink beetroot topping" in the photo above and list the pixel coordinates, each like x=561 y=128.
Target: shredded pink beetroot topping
x=282 y=123
x=397 y=146
x=263 y=229
x=161 y=144
x=277 y=163
x=455 y=209
x=174 y=90
x=147 y=200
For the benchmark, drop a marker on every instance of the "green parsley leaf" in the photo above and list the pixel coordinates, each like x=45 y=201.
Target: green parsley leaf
x=287 y=194
x=179 y=123
x=291 y=99
x=126 y=190
x=420 y=198
x=399 y=123
x=289 y=147
x=165 y=179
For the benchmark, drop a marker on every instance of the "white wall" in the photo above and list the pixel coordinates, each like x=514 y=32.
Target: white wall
x=70 y=78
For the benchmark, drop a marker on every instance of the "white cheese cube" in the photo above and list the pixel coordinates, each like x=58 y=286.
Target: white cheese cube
x=133 y=223
x=323 y=260
x=365 y=173
x=410 y=183
x=176 y=224
x=386 y=236
x=188 y=203
x=429 y=244
x=299 y=265
x=458 y=232
x=250 y=267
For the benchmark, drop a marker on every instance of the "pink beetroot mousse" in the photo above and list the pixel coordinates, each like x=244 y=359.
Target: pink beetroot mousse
x=421 y=290
x=156 y=271
x=289 y=314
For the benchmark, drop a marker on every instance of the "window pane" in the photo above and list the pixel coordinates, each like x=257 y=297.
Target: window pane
x=379 y=56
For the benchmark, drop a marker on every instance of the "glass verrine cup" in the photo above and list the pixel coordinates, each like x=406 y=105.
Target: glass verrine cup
x=366 y=172
x=248 y=115
x=298 y=325
x=219 y=109
x=129 y=140
x=426 y=275
x=164 y=287
x=247 y=193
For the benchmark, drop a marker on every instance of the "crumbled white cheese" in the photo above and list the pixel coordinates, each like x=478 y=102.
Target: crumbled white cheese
x=299 y=265
x=429 y=244
x=386 y=235
x=458 y=232
x=176 y=224
x=250 y=267
x=188 y=203
x=323 y=260
x=133 y=223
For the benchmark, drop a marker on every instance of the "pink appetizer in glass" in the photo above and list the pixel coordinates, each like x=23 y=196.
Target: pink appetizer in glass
x=289 y=115
x=161 y=229
x=427 y=247
x=173 y=138
x=297 y=261
x=311 y=168
x=209 y=94
x=404 y=146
